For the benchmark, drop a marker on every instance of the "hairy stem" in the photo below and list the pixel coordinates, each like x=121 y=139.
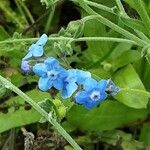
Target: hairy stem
x=109 y=39
x=110 y=24
x=37 y=107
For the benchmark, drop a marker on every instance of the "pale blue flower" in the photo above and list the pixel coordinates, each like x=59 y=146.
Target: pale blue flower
x=74 y=78
x=93 y=93
x=36 y=50
x=51 y=74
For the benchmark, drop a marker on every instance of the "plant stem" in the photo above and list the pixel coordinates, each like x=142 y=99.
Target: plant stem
x=9 y=14
x=26 y=10
x=50 y=17
x=113 y=26
x=120 y=6
x=109 y=39
x=57 y=126
x=124 y=15
x=21 y=12
x=99 y=6
x=139 y=6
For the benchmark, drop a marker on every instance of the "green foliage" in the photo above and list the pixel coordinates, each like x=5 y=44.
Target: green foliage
x=128 y=78
x=109 y=115
x=145 y=135
x=18 y=113
x=127 y=63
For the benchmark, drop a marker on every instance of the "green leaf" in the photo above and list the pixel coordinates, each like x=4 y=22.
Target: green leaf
x=128 y=78
x=95 y=49
x=19 y=118
x=109 y=115
x=140 y=7
x=15 y=118
x=134 y=24
x=125 y=59
x=145 y=135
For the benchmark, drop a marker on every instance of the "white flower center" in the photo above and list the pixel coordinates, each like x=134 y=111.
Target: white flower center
x=52 y=74
x=95 y=95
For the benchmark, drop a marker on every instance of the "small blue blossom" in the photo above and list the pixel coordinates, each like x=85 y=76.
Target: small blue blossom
x=36 y=50
x=51 y=74
x=81 y=75
x=93 y=93
x=74 y=78
x=111 y=88
x=25 y=66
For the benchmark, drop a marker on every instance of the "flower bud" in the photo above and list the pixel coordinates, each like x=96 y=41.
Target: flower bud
x=57 y=103
x=62 y=111
x=75 y=28
x=107 y=66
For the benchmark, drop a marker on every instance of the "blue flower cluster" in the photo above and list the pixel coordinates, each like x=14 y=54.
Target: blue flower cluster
x=34 y=51
x=88 y=91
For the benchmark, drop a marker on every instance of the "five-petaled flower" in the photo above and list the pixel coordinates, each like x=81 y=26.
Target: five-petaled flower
x=93 y=93
x=51 y=74
x=67 y=81
x=74 y=78
x=36 y=50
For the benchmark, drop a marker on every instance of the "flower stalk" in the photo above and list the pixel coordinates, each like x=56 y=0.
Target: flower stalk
x=37 y=107
x=112 y=25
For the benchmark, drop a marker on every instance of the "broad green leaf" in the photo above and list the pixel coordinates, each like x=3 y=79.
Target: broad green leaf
x=95 y=49
x=99 y=73
x=119 y=50
x=128 y=78
x=21 y=117
x=143 y=69
x=125 y=59
x=109 y=115
x=145 y=135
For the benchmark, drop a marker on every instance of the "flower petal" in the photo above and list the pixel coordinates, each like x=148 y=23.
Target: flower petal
x=25 y=66
x=58 y=84
x=102 y=85
x=81 y=97
x=90 y=104
x=38 y=51
x=68 y=90
x=51 y=63
x=40 y=69
x=44 y=84
x=89 y=84
x=103 y=96
x=82 y=76
x=42 y=40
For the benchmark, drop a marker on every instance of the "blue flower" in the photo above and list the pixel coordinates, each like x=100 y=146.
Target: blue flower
x=36 y=50
x=82 y=76
x=25 y=66
x=74 y=78
x=93 y=93
x=111 y=88
x=51 y=74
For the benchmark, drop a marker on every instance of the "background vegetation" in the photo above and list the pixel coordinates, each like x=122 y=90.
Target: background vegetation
x=118 y=52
